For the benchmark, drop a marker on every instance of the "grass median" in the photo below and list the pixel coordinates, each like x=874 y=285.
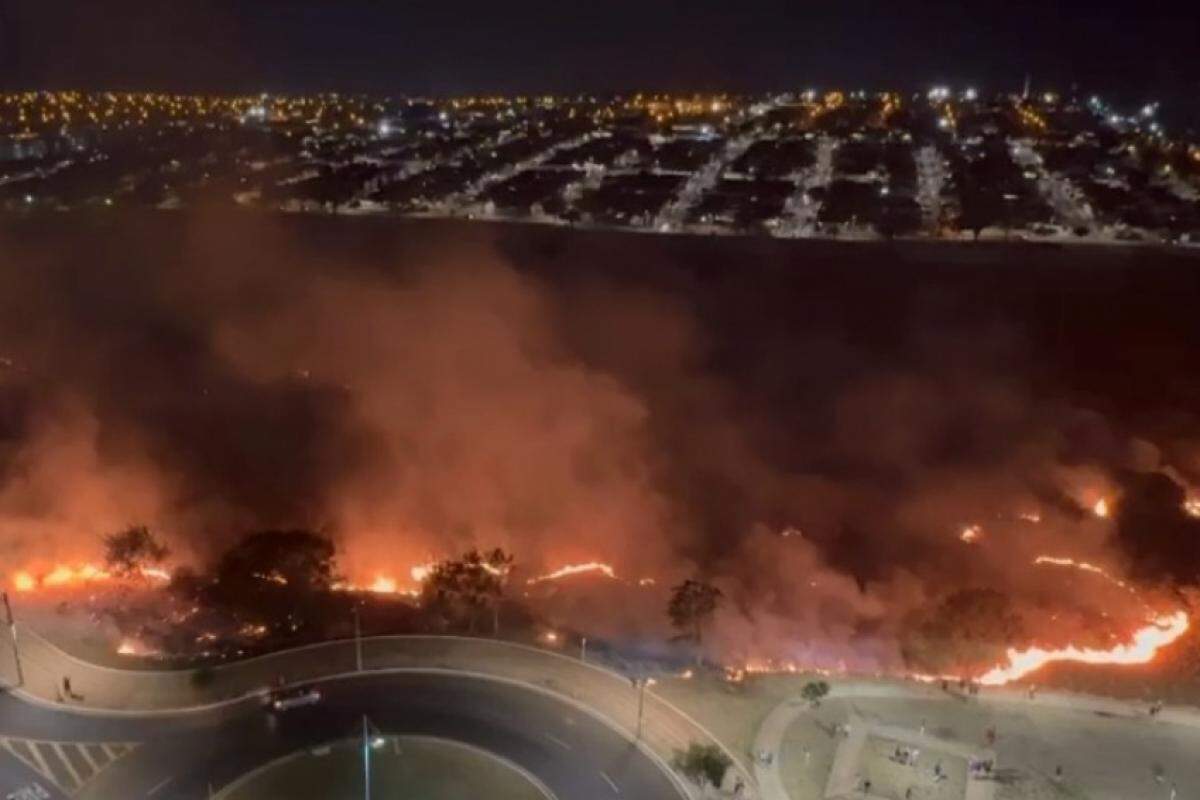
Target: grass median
x=402 y=767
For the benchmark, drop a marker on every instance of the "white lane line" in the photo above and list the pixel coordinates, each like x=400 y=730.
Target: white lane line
x=110 y=751
x=153 y=791
x=609 y=781
x=42 y=766
x=87 y=756
x=62 y=756
x=557 y=741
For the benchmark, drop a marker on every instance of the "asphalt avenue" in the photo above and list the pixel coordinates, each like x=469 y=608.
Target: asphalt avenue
x=57 y=754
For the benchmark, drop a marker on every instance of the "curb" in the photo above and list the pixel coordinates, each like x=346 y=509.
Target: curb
x=224 y=792
x=229 y=702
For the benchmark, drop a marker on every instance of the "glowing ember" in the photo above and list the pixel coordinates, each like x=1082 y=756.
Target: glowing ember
x=1032 y=517
x=1145 y=644
x=1100 y=509
x=1084 y=567
x=971 y=533
x=646 y=582
x=272 y=577
x=575 y=569
x=1191 y=506
x=136 y=648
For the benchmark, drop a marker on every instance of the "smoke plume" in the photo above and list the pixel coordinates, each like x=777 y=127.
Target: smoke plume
x=813 y=431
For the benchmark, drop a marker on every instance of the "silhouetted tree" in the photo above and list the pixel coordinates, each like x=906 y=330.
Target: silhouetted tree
x=692 y=606
x=459 y=589
x=298 y=560
x=814 y=692
x=283 y=578
x=130 y=552
x=966 y=633
x=703 y=763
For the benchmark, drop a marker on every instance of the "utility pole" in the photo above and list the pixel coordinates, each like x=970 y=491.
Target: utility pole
x=358 y=658
x=12 y=629
x=583 y=649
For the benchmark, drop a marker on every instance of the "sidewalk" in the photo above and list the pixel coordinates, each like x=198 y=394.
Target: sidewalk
x=772 y=731
x=97 y=689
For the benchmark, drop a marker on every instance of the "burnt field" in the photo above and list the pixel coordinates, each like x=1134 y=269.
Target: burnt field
x=839 y=435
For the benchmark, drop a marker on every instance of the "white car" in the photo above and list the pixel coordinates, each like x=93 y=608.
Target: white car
x=295 y=698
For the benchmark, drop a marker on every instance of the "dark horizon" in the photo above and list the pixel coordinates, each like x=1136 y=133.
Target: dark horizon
x=534 y=47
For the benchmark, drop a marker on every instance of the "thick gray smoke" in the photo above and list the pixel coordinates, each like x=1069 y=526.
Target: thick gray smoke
x=815 y=443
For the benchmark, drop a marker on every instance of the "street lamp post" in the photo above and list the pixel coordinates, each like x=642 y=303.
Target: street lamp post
x=366 y=748
x=368 y=744
x=583 y=649
x=12 y=629
x=641 y=705
x=358 y=655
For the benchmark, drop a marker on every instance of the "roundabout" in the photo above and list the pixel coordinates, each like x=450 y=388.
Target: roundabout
x=416 y=767
x=542 y=728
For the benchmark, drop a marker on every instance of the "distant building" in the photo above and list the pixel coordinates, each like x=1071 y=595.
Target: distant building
x=23 y=147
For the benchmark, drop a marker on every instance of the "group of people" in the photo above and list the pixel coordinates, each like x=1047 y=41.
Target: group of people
x=906 y=756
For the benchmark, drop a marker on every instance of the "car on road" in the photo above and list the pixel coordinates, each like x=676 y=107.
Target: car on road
x=286 y=699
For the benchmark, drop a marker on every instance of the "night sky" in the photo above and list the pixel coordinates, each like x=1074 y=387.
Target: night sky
x=414 y=46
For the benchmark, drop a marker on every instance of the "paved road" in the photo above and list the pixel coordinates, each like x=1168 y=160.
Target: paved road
x=575 y=755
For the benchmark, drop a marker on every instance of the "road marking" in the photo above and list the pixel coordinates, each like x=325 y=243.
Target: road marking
x=609 y=781
x=42 y=766
x=557 y=741
x=159 y=786
x=87 y=756
x=57 y=748
x=41 y=756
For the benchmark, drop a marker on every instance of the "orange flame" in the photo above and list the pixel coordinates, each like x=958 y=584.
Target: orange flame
x=575 y=569
x=1145 y=644
x=1084 y=566
x=65 y=575
x=136 y=648
x=383 y=585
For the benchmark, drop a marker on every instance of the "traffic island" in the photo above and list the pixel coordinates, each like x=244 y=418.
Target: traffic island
x=401 y=767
